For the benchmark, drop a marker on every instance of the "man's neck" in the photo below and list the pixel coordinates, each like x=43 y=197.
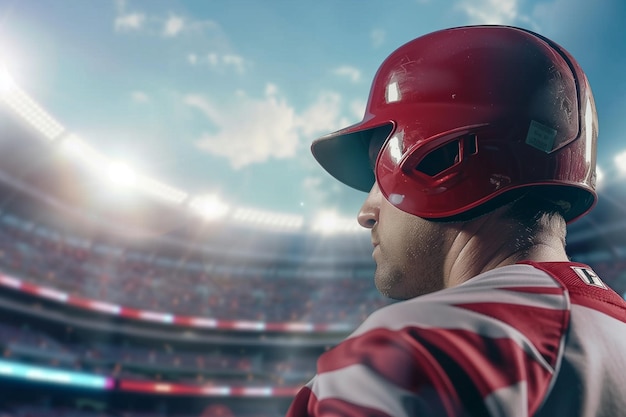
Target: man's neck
x=491 y=242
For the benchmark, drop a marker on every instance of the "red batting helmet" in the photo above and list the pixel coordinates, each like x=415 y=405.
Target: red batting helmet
x=470 y=115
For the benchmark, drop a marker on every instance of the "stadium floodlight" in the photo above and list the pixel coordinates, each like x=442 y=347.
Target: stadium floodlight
x=161 y=191
x=620 y=162
x=27 y=108
x=77 y=148
x=120 y=174
x=268 y=219
x=329 y=222
x=326 y=222
x=210 y=207
x=6 y=81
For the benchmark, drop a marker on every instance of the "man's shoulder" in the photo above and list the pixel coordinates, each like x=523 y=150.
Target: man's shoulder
x=482 y=340
x=490 y=301
x=585 y=288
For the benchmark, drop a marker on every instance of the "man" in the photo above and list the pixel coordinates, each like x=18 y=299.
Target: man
x=478 y=145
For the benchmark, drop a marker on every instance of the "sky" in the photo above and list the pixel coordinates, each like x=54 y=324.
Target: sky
x=224 y=97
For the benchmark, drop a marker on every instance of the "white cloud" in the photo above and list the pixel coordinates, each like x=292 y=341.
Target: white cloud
x=128 y=22
x=322 y=115
x=251 y=130
x=220 y=62
x=357 y=108
x=139 y=97
x=549 y=18
x=320 y=190
x=155 y=25
x=257 y=130
x=120 y=6
x=199 y=26
x=311 y=182
x=378 y=37
x=212 y=59
x=234 y=61
x=173 y=26
x=204 y=105
x=490 y=11
x=271 y=89
x=313 y=188
x=347 y=71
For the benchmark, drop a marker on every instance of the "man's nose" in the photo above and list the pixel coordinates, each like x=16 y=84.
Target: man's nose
x=368 y=214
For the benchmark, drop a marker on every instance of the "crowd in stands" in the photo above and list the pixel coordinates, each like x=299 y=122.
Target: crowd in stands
x=32 y=411
x=49 y=411
x=154 y=361
x=174 y=283
x=188 y=286
x=82 y=407
x=178 y=284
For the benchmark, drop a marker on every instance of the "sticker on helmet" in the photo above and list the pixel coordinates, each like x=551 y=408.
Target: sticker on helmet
x=541 y=136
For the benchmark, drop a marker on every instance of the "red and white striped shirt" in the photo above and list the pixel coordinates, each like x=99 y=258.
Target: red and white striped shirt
x=544 y=339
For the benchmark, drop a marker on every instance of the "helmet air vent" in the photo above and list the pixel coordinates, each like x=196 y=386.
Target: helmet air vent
x=440 y=159
x=448 y=155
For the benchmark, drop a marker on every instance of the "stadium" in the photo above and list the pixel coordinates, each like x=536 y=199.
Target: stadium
x=99 y=315
x=103 y=319
x=160 y=302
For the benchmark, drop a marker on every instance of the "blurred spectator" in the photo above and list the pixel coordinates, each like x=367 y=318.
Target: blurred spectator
x=161 y=283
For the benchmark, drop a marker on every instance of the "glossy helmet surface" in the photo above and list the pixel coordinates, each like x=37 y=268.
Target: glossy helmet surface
x=469 y=115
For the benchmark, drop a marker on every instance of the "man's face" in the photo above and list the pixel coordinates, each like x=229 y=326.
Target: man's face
x=410 y=252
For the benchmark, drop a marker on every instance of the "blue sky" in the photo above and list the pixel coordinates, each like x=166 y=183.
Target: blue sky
x=225 y=96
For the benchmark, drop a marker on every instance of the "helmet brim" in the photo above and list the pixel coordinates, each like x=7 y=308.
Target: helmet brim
x=345 y=154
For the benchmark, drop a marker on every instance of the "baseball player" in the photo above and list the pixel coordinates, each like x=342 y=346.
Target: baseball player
x=477 y=147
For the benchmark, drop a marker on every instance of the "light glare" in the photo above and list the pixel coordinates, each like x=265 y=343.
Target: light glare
x=268 y=220
x=620 y=162
x=77 y=148
x=121 y=174
x=161 y=190
x=6 y=81
x=27 y=108
x=329 y=222
x=210 y=207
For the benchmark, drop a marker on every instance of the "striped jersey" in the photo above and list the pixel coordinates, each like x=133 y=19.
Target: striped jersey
x=541 y=339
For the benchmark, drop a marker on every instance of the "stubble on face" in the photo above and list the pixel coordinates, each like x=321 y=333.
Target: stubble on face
x=411 y=255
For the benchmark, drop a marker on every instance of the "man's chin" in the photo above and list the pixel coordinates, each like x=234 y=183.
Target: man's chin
x=395 y=293
x=390 y=291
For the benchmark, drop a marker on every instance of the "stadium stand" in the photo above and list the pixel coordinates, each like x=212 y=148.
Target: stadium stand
x=56 y=244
